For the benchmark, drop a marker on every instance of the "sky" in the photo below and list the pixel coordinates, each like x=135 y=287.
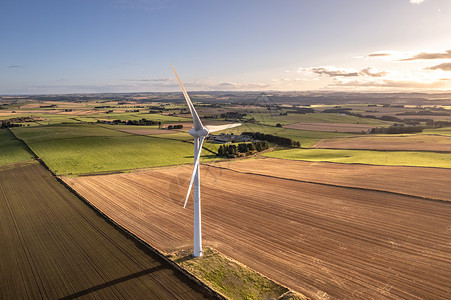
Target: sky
x=93 y=46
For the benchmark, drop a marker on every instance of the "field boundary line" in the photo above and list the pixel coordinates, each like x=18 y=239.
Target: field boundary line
x=332 y=185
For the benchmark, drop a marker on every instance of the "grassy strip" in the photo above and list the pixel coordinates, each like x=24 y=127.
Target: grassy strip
x=11 y=149
x=387 y=158
x=230 y=278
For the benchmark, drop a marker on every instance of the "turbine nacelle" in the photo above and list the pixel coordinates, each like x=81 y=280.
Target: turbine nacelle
x=199 y=133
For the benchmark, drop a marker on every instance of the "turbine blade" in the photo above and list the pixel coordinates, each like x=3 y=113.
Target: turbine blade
x=213 y=128
x=197 y=123
x=196 y=163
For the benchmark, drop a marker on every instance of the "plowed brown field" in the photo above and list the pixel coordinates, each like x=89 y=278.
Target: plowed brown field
x=53 y=246
x=324 y=241
x=433 y=183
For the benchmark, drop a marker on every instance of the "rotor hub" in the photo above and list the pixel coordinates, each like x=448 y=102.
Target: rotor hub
x=198 y=133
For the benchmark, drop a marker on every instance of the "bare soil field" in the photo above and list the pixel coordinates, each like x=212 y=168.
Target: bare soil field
x=432 y=183
x=421 y=142
x=327 y=242
x=53 y=246
x=330 y=127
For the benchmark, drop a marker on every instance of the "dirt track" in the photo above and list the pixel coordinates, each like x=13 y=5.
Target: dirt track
x=324 y=241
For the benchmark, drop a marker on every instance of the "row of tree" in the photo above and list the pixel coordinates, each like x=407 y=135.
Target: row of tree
x=242 y=149
x=6 y=124
x=143 y=121
x=233 y=115
x=177 y=126
x=396 y=129
x=282 y=141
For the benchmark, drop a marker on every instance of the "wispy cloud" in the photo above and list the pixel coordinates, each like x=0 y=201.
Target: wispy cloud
x=16 y=67
x=228 y=84
x=443 y=67
x=372 y=72
x=416 y=1
x=378 y=54
x=408 y=56
x=430 y=55
x=333 y=71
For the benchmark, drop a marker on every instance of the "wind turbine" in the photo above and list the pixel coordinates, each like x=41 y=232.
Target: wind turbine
x=199 y=132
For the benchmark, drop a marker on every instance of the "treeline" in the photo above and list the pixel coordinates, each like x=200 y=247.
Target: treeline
x=141 y=122
x=233 y=115
x=282 y=141
x=177 y=126
x=302 y=110
x=242 y=149
x=396 y=130
x=6 y=124
x=13 y=122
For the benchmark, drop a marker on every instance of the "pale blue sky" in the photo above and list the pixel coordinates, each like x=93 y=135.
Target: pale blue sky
x=69 y=46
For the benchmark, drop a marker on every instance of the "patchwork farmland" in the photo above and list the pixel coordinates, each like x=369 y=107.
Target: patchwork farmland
x=323 y=240
x=347 y=215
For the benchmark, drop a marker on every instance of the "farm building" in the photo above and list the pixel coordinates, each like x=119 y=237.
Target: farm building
x=229 y=138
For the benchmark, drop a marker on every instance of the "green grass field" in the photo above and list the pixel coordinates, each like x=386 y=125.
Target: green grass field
x=388 y=158
x=182 y=136
x=83 y=148
x=11 y=149
x=51 y=119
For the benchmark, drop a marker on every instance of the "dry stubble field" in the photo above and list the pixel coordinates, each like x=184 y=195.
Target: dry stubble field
x=324 y=241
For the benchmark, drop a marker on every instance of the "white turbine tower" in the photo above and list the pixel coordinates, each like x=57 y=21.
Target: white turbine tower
x=199 y=132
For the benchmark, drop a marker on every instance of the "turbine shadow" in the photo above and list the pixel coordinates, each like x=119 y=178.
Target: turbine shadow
x=184 y=258
x=113 y=282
